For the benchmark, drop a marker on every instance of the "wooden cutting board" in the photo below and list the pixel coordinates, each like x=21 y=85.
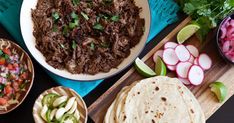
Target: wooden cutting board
x=220 y=71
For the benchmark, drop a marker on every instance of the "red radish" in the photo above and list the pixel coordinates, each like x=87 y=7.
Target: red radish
x=226 y=46
x=171 y=68
x=230 y=31
x=195 y=75
x=182 y=53
x=182 y=69
x=223 y=32
x=195 y=61
x=158 y=53
x=170 y=45
x=193 y=50
x=232 y=23
x=184 y=81
x=191 y=60
x=170 y=57
x=204 y=61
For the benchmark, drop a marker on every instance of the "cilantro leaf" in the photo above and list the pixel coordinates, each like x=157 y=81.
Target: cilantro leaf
x=92 y=46
x=85 y=15
x=74 y=16
x=75 y=2
x=115 y=18
x=1 y=52
x=74 y=44
x=98 y=26
x=55 y=16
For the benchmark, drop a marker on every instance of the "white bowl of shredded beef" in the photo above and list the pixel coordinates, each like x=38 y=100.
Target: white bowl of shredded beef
x=85 y=39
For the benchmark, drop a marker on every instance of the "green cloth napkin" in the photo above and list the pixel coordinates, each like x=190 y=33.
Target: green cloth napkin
x=163 y=13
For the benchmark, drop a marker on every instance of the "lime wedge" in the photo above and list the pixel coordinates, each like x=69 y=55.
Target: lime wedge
x=160 y=67
x=187 y=32
x=219 y=89
x=143 y=69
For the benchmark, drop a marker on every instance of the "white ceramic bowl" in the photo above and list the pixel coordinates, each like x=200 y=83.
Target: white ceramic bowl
x=26 y=24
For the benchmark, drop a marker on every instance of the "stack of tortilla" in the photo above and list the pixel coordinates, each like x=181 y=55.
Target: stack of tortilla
x=155 y=100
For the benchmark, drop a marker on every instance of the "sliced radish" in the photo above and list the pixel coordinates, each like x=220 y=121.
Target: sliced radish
x=171 y=68
x=158 y=53
x=170 y=57
x=182 y=53
x=193 y=50
x=191 y=59
x=170 y=45
x=184 y=81
x=182 y=69
x=204 y=61
x=195 y=61
x=195 y=75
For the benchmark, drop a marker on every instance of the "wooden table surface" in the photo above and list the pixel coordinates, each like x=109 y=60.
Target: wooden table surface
x=42 y=82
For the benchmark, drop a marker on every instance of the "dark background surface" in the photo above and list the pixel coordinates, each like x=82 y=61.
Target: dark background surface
x=23 y=114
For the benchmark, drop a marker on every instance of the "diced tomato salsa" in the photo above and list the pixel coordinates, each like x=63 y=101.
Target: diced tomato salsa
x=13 y=76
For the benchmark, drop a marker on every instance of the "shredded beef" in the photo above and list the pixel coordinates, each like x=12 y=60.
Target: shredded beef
x=104 y=33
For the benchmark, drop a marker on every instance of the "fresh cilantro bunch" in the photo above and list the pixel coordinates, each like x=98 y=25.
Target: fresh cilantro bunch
x=207 y=13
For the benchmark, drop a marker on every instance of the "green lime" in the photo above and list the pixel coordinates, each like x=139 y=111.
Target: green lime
x=187 y=32
x=160 y=67
x=143 y=69
x=219 y=89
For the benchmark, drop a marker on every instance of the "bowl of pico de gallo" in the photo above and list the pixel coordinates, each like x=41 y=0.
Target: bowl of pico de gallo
x=16 y=75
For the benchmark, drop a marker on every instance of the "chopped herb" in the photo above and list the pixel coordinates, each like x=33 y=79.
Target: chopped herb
x=65 y=30
x=85 y=15
x=1 y=87
x=1 y=94
x=115 y=18
x=73 y=44
x=22 y=86
x=92 y=46
x=1 y=52
x=55 y=15
x=8 y=75
x=74 y=16
x=103 y=16
x=105 y=44
x=73 y=25
x=55 y=28
x=6 y=56
x=75 y=2
x=90 y=4
x=61 y=45
x=98 y=26
x=22 y=70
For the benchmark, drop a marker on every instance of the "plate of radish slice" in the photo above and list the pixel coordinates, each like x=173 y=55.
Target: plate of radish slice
x=186 y=61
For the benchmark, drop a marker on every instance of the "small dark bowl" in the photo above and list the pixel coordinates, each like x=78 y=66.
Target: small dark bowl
x=218 y=35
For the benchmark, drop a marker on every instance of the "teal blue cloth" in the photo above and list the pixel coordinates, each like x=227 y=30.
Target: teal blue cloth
x=163 y=13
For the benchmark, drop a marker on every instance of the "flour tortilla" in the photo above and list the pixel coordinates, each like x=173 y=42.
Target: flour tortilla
x=157 y=100
x=111 y=115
